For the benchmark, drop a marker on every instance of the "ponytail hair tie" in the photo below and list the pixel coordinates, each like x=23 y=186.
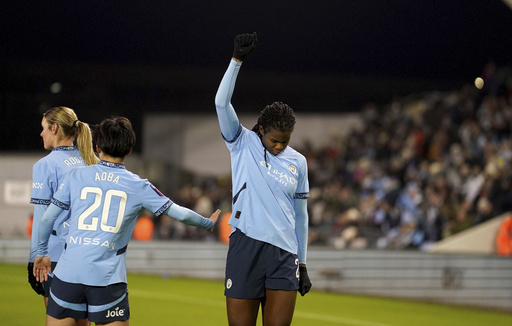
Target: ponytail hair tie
x=75 y=123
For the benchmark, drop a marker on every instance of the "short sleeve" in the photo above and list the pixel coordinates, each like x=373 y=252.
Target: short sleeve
x=43 y=183
x=154 y=200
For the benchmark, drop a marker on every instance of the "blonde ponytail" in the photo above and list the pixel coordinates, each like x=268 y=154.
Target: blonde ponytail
x=84 y=142
x=70 y=126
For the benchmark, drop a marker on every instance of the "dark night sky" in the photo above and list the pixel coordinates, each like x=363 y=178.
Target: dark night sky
x=435 y=40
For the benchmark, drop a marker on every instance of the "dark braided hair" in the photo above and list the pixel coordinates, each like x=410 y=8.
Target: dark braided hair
x=278 y=116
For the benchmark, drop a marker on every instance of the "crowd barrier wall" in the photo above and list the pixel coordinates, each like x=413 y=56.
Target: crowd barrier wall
x=483 y=281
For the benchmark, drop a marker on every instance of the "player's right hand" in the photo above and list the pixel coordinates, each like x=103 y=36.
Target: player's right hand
x=35 y=284
x=304 y=282
x=214 y=217
x=243 y=45
x=42 y=266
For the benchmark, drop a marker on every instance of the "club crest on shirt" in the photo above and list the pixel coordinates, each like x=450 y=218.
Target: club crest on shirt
x=281 y=177
x=293 y=169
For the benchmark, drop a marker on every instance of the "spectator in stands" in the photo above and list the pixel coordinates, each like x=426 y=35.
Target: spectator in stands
x=454 y=145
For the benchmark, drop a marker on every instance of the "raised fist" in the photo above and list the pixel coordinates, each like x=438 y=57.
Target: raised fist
x=243 y=45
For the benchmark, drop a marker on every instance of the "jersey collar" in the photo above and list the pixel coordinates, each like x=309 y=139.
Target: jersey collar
x=112 y=165
x=64 y=148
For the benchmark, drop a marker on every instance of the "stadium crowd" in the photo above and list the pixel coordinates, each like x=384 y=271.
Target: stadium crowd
x=421 y=168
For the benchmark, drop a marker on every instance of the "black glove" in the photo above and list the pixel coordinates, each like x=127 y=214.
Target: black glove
x=304 y=282
x=243 y=45
x=37 y=286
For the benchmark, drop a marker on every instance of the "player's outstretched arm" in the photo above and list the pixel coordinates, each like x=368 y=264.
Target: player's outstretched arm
x=188 y=216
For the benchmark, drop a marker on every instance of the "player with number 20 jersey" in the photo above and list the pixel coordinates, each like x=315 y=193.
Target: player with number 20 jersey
x=107 y=200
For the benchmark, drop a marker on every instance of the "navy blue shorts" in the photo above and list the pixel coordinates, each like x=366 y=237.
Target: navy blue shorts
x=253 y=266
x=99 y=304
x=47 y=284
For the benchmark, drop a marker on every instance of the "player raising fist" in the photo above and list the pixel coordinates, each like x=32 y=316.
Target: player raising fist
x=266 y=262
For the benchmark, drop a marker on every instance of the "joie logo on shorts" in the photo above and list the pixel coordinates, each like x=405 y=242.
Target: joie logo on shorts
x=115 y=313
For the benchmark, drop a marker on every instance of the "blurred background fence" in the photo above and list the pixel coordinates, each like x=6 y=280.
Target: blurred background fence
x=471 y=280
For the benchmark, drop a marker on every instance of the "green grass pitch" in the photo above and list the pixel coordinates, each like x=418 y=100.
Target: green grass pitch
x=181 y=301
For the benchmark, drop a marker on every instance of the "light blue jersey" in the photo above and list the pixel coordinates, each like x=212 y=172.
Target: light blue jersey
x=269 y=192
x=47 y=174
x=104 y=200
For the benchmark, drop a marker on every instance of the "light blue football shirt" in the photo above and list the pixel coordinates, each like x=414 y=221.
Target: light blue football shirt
x=104 y=200
x=47 y=174
x=264 y=189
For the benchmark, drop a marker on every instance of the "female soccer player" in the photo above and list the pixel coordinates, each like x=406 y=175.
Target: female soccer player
x=60 y=129
x=266 y=262
x=104 y=200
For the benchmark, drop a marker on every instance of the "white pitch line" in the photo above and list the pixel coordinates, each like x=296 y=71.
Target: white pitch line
x=337 y=320
x=219 y=303
x=172 y=297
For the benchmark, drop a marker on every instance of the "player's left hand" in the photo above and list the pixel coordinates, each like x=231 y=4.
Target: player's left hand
x=304 y=282
x=42 y=266
x=214 y=217
x=243 y=45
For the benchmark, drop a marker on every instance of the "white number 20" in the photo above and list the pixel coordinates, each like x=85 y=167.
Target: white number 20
x=92 y=225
